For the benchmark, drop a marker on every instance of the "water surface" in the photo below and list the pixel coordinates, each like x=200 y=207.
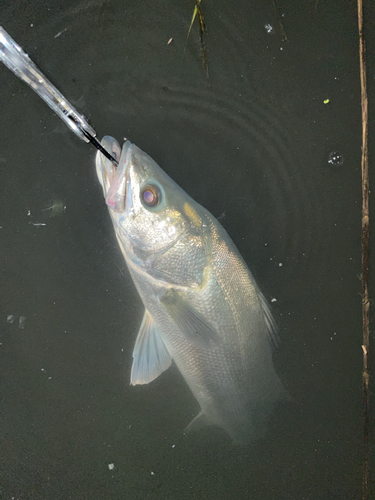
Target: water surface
x=252 y=144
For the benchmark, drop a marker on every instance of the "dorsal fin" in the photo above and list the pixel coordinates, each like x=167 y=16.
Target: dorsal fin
x=270 y=322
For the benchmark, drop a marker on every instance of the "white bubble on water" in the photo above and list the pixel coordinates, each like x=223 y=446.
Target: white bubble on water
x=336 y=159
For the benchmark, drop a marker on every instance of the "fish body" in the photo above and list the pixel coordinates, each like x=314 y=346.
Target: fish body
x=203 y=308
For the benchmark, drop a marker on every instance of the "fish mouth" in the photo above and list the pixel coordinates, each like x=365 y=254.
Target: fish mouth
x=112 y=178
x=116 y=194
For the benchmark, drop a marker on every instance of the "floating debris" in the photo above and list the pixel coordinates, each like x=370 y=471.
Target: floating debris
x=170 y=41
x=60 y=33
x=111 y=466
x=21 y=322
x=10 y=318
x=202 y=30
x=56 y=207
x=326 y=101
x=279 y=16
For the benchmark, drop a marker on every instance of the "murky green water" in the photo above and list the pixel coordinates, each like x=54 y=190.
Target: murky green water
x=252 y=144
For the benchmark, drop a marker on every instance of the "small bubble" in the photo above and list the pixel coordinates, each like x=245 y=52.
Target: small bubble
x=336 y=159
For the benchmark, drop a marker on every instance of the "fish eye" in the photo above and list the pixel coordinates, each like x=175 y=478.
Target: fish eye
x=151 y=195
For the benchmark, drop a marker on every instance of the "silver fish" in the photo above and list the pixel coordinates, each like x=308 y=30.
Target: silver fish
x=203 y=308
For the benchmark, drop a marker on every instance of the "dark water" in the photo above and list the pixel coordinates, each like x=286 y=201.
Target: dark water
x=255 y=144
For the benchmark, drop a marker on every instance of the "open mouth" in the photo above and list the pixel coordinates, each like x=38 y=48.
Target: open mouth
x=116 y=193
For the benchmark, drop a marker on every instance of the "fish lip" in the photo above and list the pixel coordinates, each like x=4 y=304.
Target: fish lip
x=116 y=195
x=128 y=200
x=106 y=169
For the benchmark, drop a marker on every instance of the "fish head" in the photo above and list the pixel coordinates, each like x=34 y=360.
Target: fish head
x=146 y=205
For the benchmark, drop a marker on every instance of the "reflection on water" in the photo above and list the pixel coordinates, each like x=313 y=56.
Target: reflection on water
x=254 y=142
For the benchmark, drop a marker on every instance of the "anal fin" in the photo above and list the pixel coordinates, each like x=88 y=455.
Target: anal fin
x=197 y=423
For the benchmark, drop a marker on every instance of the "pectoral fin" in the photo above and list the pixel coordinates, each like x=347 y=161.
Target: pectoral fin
x=150 y=354
x=189 y=320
